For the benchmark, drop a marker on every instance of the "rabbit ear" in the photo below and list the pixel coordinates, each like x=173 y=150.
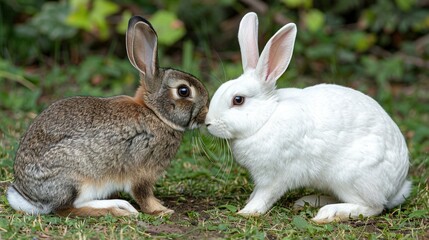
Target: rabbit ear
x=276 y=56
x=248 y=40
x=142 y=47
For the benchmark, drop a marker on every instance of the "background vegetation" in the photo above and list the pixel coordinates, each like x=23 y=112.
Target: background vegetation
x=54 y=49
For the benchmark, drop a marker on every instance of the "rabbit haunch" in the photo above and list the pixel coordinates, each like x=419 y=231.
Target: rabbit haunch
x=82 y=150
x=327 y=137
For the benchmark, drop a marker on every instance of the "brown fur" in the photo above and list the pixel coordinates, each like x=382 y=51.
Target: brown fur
x=91 y=212
x=108 y=144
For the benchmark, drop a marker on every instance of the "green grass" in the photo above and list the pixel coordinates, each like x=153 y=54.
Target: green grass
x=206 y=195
x=206 y=188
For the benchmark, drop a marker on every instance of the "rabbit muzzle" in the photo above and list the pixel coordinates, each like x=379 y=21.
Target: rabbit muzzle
x=199 y=118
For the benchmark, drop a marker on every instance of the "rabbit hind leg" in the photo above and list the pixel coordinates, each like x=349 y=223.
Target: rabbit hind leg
x=345 y=211
x=115 y=207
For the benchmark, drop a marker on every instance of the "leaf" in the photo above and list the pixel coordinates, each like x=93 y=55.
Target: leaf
x=300 y=222
x=51 y=21
x=357 y=40
x=298 y=3
x=314 y=20
x=169 y=28
x=123 y=24
x=93 y=19
x=230 y=208
x=79 y=17
x=419 y=213
x=405 y=5
x=320 y=51
x=102 y=9
x=364 y=42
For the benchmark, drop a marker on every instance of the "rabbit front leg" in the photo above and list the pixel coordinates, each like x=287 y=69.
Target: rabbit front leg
x=143 y=194
x=262 y=199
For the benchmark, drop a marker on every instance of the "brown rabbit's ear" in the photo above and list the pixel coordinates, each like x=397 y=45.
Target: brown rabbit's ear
x=142 y=48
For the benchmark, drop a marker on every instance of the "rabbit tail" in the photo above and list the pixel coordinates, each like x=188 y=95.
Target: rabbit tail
x=19 y=202
x=400 y=196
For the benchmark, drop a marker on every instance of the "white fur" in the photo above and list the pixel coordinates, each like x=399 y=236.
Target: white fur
x=327 y=137
x=111 y=203
x=249 y=45
x=19 y=203
x=90 y=192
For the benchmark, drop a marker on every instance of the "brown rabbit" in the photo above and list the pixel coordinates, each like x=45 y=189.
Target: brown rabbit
x=81 y=150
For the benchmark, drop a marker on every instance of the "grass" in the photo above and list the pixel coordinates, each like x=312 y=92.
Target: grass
x=205 y=188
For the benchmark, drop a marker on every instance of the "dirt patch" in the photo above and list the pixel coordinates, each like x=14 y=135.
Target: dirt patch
x=163 y=229
x=181 y=231
x=188 y=205
x=187 y=225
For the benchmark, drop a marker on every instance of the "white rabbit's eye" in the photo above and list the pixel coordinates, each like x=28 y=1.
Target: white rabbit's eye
x=238 y=100
x=183 y=91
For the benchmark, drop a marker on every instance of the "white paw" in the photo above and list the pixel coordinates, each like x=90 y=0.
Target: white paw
x=345 y=211
x=123 y=206
x=251 y=211
x=327 y=214
x=248 y=213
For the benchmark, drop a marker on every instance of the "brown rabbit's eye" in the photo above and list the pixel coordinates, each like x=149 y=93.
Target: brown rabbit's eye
x=183 y=91
x=238 y=100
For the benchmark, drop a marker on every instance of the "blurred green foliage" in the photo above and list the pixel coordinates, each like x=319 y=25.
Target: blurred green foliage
x=331 y=33
x=91 y=19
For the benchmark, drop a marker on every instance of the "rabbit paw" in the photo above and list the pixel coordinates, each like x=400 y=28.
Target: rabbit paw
x=260 y=202
x=116 y=207
x=344 y=211
x=246 y=213
x=164 y=212
x=251 y=210
x=153 y=206
x=329 y=213
x=125 y=206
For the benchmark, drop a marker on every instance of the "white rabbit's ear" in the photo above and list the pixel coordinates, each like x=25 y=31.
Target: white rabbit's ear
x=142 y=46
x=276 y=56
x=248 y=40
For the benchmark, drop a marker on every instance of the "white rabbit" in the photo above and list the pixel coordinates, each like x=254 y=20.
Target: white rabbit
x=326 y=137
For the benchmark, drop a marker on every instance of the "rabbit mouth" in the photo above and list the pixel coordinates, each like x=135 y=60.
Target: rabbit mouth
x=194 y=124
x=219 y=130
x=199 y=119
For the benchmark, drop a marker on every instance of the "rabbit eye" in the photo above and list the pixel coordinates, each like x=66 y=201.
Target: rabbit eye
x=183 y=91
x=238 y=100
